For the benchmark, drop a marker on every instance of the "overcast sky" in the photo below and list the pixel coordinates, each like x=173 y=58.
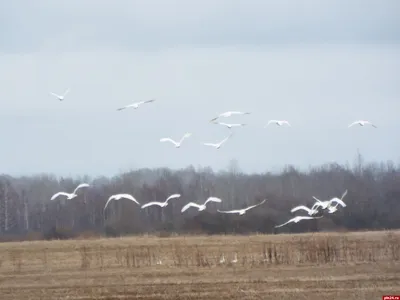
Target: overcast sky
x=320 y=64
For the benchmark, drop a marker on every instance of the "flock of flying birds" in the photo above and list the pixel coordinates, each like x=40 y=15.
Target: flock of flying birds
x=312 y=212
x=178 y=144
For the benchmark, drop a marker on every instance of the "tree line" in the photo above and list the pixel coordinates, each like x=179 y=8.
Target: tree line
x=373 y=201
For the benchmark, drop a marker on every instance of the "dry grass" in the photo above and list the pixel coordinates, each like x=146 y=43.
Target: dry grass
x=305 y=266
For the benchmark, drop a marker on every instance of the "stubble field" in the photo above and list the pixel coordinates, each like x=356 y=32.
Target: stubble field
x=364 y=265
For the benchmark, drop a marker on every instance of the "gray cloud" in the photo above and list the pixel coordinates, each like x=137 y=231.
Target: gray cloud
x=78 y=25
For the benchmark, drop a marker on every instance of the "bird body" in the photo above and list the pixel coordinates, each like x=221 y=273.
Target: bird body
x=161 y=204
x=228 y=114
x=177 y=144
x=278 y=122
x=60 y=97
x=201 y=207
x=218 y=145
x=136 y=105
x=298 y=219
x=70 y=195
x=241 y=211
x=362 y=123
x=119 y=197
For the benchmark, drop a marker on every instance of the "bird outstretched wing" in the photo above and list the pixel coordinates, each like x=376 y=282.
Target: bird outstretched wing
x=128 y=106
x=300 y=207
x=210 y=144
x=186 y=135
x=337 y=200
x=129 y=197
x=59 y=194
x=152 y=203
x=169 y=140
x=66 y=92
x=354 y=123
x=190 y=204
x=224 y=140
x=255 y=205
x=277 y=226
x=173 y=196
x=213 y=199
x=236 y=211
x=54 y=94
x=82 y=185
x=108 y=201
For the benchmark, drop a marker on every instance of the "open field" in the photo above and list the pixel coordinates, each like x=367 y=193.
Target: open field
x=362 y=265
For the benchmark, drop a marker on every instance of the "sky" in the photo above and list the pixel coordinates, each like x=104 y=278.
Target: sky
x=318 y=64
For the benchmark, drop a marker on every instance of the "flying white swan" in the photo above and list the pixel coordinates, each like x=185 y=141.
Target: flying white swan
x=362 y=123
x=230 y=125
x=310 y=211
x=218 y=145
x=319 y=203
x=120 y=196
x=177 y=144
x=278 y=122
x=228 y=114
x=161 y=204
x=136 y=105
x=339 y=201
x=201 y=207
x=328 y=203
x=60 y=97
x=241 y=211
x=297 y=220
x=70 y=195
x=331 y=208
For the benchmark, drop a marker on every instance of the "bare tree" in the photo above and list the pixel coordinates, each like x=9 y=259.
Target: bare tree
x=373 y=200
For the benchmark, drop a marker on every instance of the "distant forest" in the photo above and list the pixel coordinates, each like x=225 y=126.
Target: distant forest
x=373 y=201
